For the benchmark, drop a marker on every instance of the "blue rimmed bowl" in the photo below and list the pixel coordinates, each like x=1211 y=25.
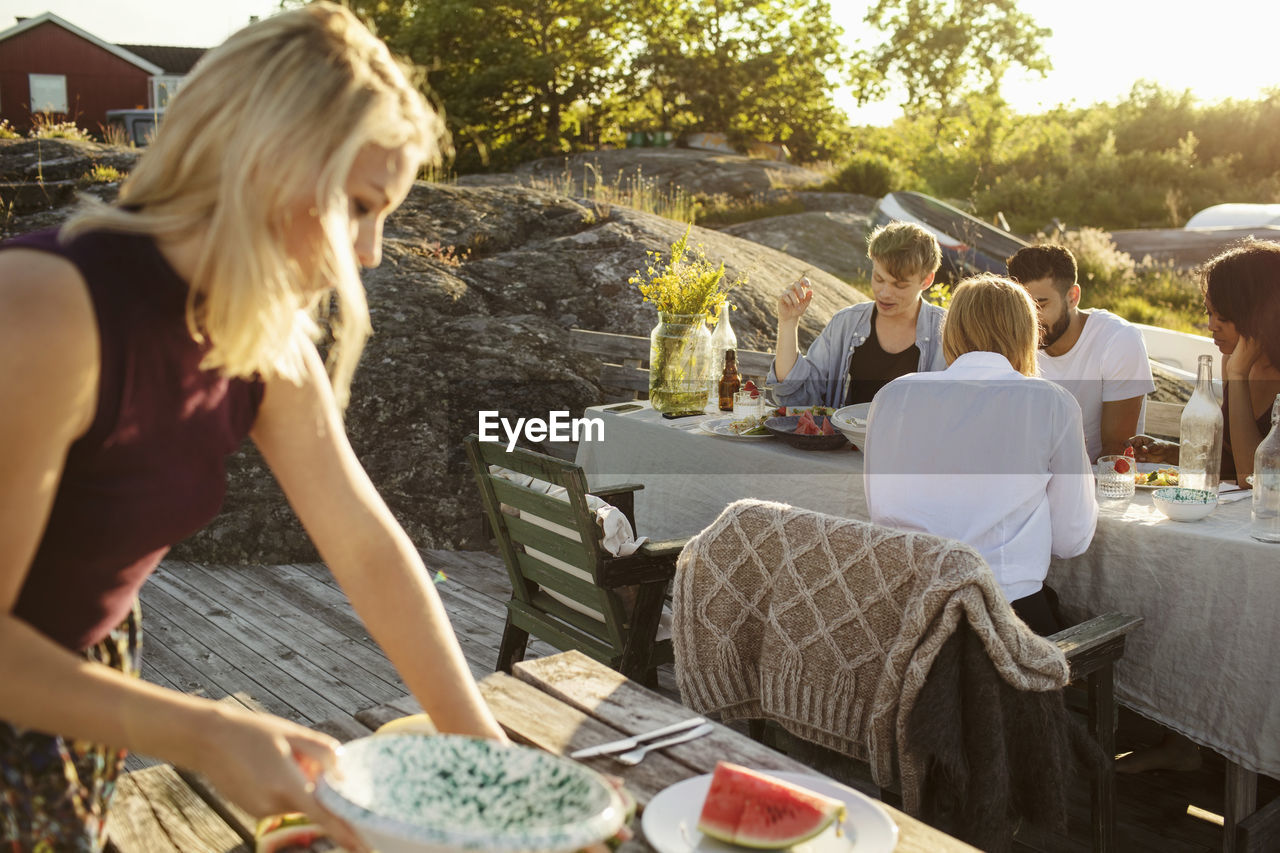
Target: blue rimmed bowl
x=413 y=793
x=1181 y=504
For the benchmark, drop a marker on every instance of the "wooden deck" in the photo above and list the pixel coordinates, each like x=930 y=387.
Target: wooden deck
x=284 y=639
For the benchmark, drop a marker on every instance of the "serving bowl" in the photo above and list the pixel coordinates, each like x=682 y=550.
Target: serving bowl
x=1181 y=504
x=785 y=429
x=413 y=793
x=852 y=421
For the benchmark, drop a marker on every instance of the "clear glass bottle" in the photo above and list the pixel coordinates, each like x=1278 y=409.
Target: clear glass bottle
x=722 y=338
x=1200 y=456
x=1266 y=483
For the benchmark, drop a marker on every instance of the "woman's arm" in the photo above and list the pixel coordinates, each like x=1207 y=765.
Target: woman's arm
x=48 y=389
x=300 y=433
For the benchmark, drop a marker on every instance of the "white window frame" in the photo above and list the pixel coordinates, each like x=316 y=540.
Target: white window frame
x=163 y=88
x=46 y=85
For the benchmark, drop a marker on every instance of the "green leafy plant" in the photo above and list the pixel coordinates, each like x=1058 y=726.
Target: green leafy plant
x=101 y=174
x=684 y=281
x=44 y=127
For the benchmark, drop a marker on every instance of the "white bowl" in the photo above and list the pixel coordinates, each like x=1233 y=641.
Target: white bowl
x=852 y=421
x=413 y=793
x=1184 y=504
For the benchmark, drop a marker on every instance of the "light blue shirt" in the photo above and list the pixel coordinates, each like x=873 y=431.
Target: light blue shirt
x=821 y=376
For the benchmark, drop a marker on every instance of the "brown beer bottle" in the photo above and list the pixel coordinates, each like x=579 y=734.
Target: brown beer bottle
x=730 y=381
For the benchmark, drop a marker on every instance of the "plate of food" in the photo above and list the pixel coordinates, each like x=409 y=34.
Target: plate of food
x=738 y=807
x=796 y=411
x=807 y=432
x=1151 y=475
x=737 y=428
x=408 y=793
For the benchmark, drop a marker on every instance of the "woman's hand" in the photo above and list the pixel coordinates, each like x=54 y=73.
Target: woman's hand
x=1237 y=365
x=269 y=766
x=794 y=301
x=1148 y=449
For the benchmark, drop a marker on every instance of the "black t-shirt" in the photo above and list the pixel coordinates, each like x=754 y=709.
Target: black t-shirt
x=871 y=368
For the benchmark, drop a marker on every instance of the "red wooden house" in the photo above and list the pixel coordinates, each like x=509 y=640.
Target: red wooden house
x=48 y=65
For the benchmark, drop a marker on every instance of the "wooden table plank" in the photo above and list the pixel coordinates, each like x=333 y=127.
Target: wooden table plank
x=591 y=688
x=612 y=698
x=155 y=811
x=535 y=718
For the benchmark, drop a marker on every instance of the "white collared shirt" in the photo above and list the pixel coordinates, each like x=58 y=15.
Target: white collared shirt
x=980 y=453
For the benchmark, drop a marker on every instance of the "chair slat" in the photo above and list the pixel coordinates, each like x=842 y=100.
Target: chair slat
x=559 y=634
x=554 y=577
x=524 y=532
x=554 y=510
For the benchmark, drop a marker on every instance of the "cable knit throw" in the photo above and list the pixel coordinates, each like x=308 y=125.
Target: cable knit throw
x=830 y=626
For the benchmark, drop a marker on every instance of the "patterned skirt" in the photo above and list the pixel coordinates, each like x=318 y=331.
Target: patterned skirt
x=54 y=792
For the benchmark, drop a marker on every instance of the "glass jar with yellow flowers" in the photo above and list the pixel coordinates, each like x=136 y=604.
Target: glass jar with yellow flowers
x=688 y=290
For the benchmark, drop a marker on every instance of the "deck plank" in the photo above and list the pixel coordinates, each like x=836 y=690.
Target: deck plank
x=232 y=664
x=341 y=681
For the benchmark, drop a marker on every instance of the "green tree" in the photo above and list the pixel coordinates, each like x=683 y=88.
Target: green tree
x=508 y=73
x=751 y=68
x=944 y=51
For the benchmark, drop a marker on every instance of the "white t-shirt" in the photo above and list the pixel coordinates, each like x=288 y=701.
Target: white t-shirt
x=980 y=453
x=1108 y=363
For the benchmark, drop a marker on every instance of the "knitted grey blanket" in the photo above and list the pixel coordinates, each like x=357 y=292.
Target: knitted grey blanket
x=830 y=626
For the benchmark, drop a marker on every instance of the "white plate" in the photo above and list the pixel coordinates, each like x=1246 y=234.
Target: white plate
x=670 y=821
x=720 y=427
x=1147 y=468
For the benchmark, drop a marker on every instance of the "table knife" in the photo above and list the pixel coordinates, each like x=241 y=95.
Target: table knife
x=634 y=741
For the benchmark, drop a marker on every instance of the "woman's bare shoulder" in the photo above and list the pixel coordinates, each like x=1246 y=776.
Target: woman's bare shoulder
x=47 y=323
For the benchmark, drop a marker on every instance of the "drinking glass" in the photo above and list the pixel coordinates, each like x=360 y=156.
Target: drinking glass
x=1115 y=477
x=746 y=406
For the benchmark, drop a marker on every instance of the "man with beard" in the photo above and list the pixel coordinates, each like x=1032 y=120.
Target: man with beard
x=1099 y=357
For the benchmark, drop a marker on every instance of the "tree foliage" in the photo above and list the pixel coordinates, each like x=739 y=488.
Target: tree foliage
x=944 y=51
x=524 y=78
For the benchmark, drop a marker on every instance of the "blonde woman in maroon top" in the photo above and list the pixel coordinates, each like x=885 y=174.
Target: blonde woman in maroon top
x=139 y=345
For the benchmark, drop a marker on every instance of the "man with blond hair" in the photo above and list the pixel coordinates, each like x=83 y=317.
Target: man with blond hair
x=867 y=345
x=1099 y=357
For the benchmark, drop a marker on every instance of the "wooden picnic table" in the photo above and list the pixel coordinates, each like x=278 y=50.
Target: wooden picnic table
x=558 y=703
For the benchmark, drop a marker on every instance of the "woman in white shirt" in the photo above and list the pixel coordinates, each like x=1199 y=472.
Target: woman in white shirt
x=984 y=451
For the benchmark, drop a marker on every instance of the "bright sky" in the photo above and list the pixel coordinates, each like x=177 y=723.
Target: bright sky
x=1099 y=48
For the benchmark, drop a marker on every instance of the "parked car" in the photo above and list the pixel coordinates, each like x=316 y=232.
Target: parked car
x=1236 y=216
x=969 y=245
x=139 y=126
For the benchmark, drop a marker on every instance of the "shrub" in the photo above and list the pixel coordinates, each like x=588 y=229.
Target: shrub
x=44 y=127
x=7 y=131
x=869 y=173
x=101 y=174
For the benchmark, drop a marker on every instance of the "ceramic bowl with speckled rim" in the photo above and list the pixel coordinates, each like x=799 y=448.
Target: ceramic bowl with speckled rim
x=413 y=793
x=1180 y=504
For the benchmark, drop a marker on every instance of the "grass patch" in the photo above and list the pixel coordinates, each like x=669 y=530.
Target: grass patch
x=101 y=174
x=44 y=127
x=633 y=191
x=721 y=210
x=7 y=131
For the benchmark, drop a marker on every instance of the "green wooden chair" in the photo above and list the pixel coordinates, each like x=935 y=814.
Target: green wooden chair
x=565 y=588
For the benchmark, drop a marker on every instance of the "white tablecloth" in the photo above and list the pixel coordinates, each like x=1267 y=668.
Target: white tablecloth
x=1204 y=662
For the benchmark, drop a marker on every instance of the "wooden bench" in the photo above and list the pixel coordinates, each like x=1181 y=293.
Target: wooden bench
x=624 y=367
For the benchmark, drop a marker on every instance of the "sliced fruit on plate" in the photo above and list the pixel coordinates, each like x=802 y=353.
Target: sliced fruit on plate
x=753 y=809
x=292 y=833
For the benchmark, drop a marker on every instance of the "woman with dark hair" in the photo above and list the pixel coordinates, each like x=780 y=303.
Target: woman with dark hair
x=1242 y=300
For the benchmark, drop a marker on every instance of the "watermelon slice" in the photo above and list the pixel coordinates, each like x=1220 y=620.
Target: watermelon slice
x=753 y=809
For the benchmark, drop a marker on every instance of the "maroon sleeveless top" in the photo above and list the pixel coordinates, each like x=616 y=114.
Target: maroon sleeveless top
x=151 y=468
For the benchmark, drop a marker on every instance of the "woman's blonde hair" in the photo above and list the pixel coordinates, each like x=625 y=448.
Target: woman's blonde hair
x=992 y=314
x=273 y=117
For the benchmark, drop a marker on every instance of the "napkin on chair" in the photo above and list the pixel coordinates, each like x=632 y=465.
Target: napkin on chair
x=616 y=536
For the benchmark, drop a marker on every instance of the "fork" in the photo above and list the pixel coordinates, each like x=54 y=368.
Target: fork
x=635 y=756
